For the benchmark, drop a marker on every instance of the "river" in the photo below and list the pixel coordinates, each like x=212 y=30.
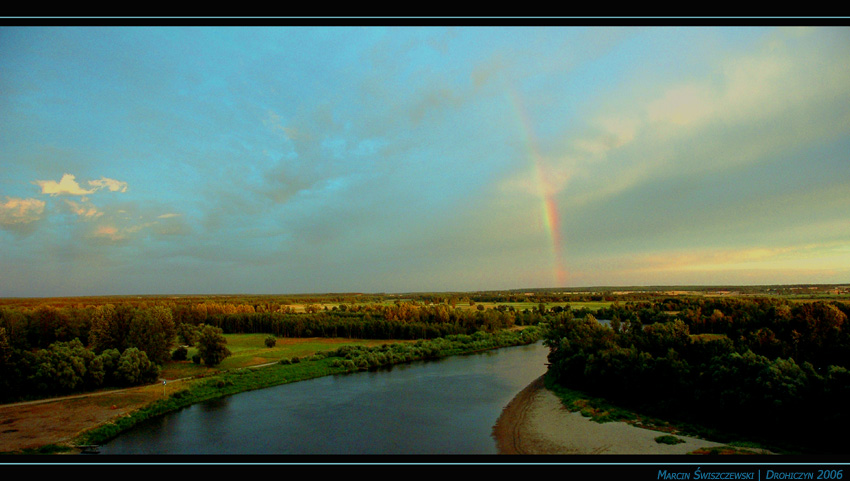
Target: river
x=447 y=406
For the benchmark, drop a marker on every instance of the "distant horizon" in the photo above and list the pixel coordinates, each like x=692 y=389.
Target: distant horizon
x=394 y=159
x=573 y=289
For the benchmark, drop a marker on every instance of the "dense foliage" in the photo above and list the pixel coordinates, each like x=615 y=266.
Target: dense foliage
x=762 y=367
x=49 y=350
x=212 y=346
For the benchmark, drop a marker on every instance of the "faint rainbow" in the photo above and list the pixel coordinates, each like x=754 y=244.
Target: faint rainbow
x=546 y=191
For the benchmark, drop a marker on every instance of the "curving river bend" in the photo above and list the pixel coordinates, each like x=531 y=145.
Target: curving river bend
x=448 y=406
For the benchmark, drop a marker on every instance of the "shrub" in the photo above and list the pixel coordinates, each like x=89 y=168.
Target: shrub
x=271 y=341
x=180 y=354
x=134 y=367
x=668 y=439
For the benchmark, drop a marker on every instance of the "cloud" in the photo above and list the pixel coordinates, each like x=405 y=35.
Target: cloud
x=753 y=107
x=683 y=105
x=111 y=184
x=68 y=186
x=84 y=209
x=115 y=234
x=274 y=122
x=16 y=211
x=813 y=257
x=110 y=233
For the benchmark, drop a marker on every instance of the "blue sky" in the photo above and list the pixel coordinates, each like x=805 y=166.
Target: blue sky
x=171 y=160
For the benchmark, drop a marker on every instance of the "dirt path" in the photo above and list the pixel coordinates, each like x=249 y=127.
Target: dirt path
x=535 y=422
x=34 y=424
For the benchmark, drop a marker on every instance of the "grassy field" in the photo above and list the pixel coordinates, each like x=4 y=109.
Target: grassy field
x=250 y=350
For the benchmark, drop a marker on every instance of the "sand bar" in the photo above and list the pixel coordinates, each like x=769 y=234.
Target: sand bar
x=536 y=422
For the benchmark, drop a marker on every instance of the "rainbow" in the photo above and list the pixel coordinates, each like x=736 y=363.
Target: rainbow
x=546 y=191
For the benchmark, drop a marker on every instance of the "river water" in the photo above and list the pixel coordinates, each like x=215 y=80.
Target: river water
x=448 y=406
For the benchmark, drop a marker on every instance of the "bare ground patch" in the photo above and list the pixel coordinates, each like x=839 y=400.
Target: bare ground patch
x=58 y=421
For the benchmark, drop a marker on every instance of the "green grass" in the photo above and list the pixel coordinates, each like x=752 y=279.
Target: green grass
x=668 y=439
x=250 y=350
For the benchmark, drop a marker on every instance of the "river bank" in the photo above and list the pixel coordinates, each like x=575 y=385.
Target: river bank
x=536 y=422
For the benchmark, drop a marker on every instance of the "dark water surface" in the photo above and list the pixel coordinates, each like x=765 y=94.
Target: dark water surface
x=447 y=406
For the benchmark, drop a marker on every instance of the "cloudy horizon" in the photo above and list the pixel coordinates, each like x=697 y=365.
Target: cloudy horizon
x=219 y=160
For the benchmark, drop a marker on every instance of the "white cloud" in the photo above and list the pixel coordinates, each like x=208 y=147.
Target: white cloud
x=68 y=186
x=16 y=211
x=753 y=105
x=111 y=184
x=683 y=105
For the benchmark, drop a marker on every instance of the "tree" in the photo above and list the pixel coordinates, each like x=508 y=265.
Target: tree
x=134 y=367
x=152 y=330
x=180 y=354
x=62 y=367
x=212 y=345
x=187 y=333
x=5 y=349
x=110 y=327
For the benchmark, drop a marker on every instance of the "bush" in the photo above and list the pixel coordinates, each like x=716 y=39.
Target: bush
x=180 y=354
x=271 y=341
x=196 y=359
x=134 y=367
x=668 y=439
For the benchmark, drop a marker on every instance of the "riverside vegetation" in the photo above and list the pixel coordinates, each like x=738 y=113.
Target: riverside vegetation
x=763 y=369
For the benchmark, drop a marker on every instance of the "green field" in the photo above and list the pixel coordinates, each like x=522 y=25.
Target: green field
x=250 y=350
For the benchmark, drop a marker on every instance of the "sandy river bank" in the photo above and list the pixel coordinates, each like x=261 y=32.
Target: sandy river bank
x=535 y=422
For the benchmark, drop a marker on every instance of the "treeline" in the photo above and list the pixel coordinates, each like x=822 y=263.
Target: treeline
x=763 y=368
x=403 y=321
x=49 y=351
x=357 y=358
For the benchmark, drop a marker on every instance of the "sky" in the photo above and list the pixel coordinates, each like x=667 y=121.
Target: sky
x=284 y=160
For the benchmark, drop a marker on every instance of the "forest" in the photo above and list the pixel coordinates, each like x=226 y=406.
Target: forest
x=763 y=368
